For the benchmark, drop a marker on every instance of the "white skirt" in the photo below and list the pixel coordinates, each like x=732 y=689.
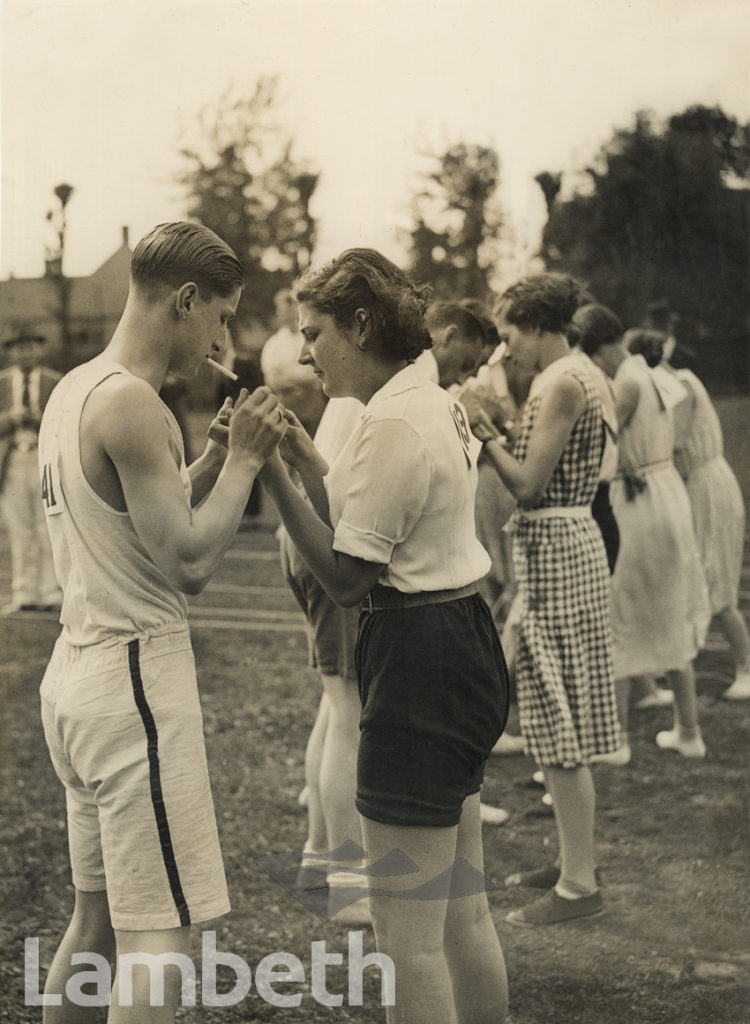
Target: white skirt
x=660 y=610
x=719 y=521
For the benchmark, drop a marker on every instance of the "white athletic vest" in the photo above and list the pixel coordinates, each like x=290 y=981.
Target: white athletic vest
x=111 y=586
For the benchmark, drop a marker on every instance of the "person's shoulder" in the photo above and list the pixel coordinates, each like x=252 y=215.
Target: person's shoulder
x=569 y=387
x=634 y=366
x=399 y=415
x=690 y=379
x=427 y=365
x=627 y=391
x=416 y=401
x=631 y=373
x=124 y=402
x=125 y=387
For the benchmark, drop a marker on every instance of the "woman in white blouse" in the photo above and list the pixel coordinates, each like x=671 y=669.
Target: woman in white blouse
x=394 y=532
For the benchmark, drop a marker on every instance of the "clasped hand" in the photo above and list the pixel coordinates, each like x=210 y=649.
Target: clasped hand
x=480 y=422
x=254 y=424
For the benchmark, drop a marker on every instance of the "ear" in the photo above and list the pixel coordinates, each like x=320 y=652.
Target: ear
x=450 y=335
x=186 y=296
x=362 y=324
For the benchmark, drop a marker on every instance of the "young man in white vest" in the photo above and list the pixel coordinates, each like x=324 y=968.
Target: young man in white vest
x=133 y=531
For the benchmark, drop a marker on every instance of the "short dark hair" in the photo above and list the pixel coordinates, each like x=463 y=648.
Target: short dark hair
x=483 y=315
x=649 y=344
x=365 y=279
x=174 y=253
x=542 y=302
x=445 y=313
x=593 y=326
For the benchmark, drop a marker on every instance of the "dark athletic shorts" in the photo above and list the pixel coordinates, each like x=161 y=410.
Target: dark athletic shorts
x=434 y=689
x=331 y=630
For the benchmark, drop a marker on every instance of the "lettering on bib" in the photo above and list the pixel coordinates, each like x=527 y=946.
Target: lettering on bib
x=51 y=489
x=462 y=426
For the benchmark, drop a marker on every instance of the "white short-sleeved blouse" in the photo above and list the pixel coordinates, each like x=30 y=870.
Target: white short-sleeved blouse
x=401 y=491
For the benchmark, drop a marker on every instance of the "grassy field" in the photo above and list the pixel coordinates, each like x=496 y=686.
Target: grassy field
x=671 y=948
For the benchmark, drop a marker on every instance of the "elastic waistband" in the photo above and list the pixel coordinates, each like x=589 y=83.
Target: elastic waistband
x=556 y=512
x=383 y=598
x=169 y=629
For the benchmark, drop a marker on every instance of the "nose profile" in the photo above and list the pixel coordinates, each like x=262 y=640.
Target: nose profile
x=304 y=358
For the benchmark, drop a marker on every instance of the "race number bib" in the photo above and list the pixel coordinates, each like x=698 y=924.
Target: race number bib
x=462 y=426
x=51 y=489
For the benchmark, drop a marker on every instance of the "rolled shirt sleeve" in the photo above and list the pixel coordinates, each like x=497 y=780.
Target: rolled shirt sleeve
x=386 y=490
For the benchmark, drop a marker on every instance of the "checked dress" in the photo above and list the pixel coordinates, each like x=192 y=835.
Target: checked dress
x=565 y=682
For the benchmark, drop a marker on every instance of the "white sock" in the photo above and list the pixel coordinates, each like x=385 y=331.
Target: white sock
x=571 y=891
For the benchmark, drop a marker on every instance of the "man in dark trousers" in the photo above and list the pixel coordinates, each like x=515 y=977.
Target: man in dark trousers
x=25 y=387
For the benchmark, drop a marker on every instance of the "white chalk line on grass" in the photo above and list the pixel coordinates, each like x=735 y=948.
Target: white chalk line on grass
x=246 y=613
x=209 y=618
x=246 y=588
x=245 y=555
x=249 y=625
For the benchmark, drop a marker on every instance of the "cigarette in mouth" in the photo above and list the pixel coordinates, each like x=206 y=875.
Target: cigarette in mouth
x=221 y=369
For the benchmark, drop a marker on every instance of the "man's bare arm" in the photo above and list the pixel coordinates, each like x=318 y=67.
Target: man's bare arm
x=186 y=544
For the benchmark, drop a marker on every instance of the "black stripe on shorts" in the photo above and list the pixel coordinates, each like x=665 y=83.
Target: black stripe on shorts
x=157 y=799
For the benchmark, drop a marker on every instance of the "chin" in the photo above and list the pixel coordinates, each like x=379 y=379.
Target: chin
x=184 y=374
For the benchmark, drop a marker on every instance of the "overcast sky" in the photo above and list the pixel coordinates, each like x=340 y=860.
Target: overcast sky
x=100 y=93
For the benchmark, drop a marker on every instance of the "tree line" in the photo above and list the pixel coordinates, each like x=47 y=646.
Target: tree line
x=662 y=215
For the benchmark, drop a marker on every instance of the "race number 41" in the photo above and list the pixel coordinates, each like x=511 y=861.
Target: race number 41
x=51 y=489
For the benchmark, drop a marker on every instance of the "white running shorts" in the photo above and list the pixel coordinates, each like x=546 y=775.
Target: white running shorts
x=123 y=724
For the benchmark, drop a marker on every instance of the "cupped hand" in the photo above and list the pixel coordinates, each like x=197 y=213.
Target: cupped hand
x=483 y=433
x=484 y=429
x=474 y=407
x=297 y=445
x=257 y=424
x=218 y=428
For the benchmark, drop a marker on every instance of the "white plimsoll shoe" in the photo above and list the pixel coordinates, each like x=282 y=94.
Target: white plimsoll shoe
x=617 y=759
x=670 y=739
x=740 y=688
x=660 y=698
x=492 y=815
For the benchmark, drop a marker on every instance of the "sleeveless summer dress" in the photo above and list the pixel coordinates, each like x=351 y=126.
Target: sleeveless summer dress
x=566 y=698
x=660 y=611
x=715 y=497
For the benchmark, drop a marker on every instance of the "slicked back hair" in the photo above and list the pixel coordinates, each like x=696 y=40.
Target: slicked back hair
x=172 y=254
x=445 y=313
x=483 y=315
